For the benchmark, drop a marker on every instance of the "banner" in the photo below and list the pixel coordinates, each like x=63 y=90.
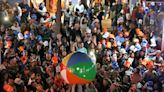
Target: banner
x=35 y=3
x=51 y=6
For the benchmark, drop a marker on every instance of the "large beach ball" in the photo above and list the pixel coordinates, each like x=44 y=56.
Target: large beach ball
x=78 y=68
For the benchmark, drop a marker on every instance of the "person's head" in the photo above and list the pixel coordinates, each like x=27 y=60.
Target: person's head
x=132 y=25
x=137 y=70
x=126 y=79
x=120 y=34
x=76 y=26
x=24 y=1
x=81 y=45
x=158 y=54
x=48 y=56
x=58 y=76
x=132 y=55
x=61 y=48
x=16 y=24
x=70 y=3
x=124 y=27
x=39 y=88
x=38 y=77
x=13 y=61
x=107 y=58
x=38 y=47
x=78 y=39
x=64 y=53
x=72 y=48
x=92 y=45
x=59 y=43
x=26 y=71
x=32 y=75
x=127 y=43
x=32 y=36
x=16 y=4
x=96 y=23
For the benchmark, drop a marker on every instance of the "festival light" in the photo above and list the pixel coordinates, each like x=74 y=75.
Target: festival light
x=6 y=18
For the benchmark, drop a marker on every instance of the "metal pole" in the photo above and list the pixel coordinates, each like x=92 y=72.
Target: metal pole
x=162 y=46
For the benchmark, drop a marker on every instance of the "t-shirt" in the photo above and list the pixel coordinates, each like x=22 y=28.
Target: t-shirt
x=80 y=8
x=158 y=60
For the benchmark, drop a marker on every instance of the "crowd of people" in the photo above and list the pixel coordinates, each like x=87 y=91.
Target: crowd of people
x=127 y=51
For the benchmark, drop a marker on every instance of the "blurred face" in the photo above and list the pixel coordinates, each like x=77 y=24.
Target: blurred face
x=11 y=81
x=107 y=58
x=38 y=47
x=62 y=48
x=48 y=56
x=89 y=37
x=24 y=2
x=158 y=54
x=72 y=49
x=59 y=36
x=16 y=4
x=64 y=53
x=32 y=76
x=125 y=79
x=32 y=37
x=121 y=35
x=132 y=26
x=77 y=26
x=96 y=24
x=13 y=62
x=39 y=88
x=59 y=42
x=58 y=76
x=38 y=78
x=132 y=55
x=92 y=46
x=26 y=72
x=142 y=53
x=78 y=39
